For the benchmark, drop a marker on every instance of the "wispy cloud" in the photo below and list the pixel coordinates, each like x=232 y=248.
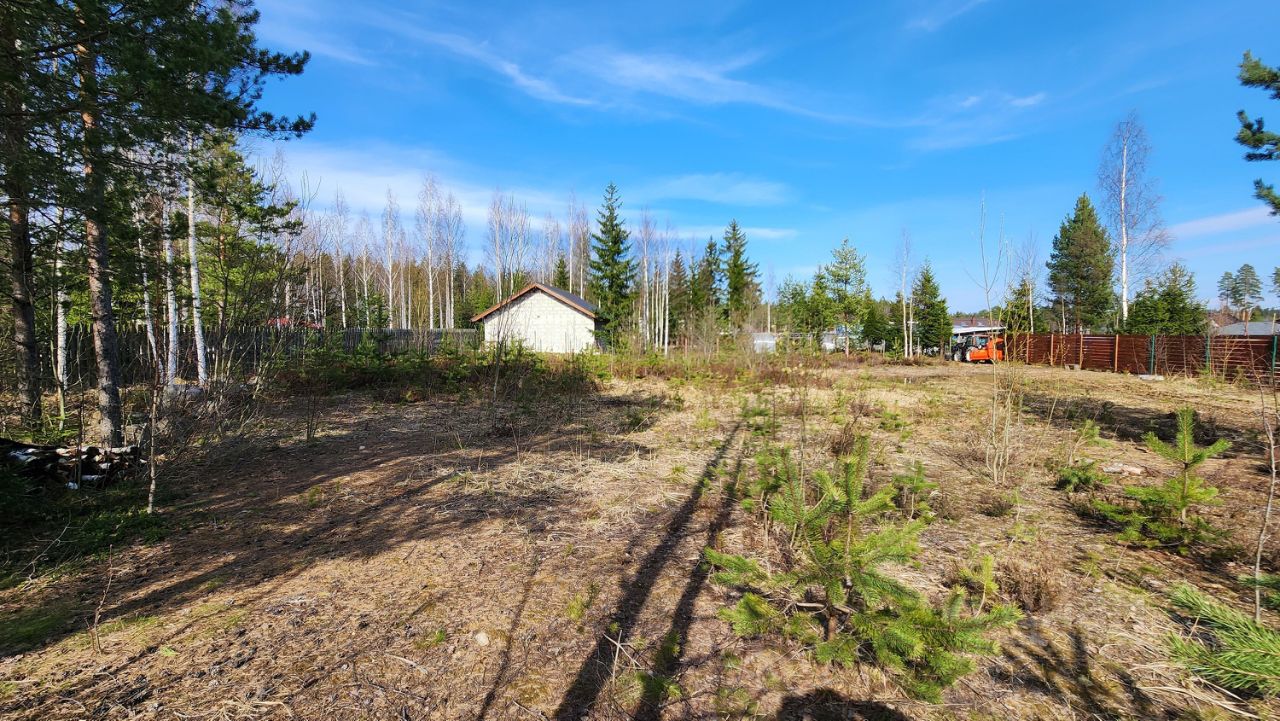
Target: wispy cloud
x=464 y=47
x=724 y=188
x=975 y=119
x=942 y=14
x=752 y=232
x=295 y=26
x=1223 y=223
x=1028 y=101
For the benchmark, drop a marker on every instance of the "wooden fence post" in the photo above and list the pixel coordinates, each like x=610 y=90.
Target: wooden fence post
x=1080 y=355
x=1051 y=348
x=1151 y=364
x=1115 y=354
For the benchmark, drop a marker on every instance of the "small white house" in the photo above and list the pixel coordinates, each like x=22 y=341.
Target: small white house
x=542 y=318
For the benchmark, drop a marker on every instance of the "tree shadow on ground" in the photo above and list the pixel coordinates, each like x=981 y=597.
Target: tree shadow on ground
x=825 y=704
x=595 y=670
x=259 y=527
x=1066 y=670
x=1130 y=423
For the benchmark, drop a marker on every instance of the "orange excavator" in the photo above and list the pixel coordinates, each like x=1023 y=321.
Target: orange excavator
x=978 y=349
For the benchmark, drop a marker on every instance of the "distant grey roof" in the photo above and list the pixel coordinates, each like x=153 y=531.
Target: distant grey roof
x=582 y=306
x=1255 y=327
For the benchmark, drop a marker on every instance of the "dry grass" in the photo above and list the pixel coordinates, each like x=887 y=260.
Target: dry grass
x=450 y=559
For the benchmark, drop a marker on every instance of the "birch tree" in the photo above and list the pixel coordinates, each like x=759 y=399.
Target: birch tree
x=1131 y=204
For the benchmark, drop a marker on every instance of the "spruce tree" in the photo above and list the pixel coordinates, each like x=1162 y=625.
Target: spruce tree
x=1263 y=144
x=1080 y=269
x=742 y=291
x=875 y=328
x=560 y=278
x=1167 y=305
x=1019 y=312
x=611 y=267
x=704 y=291
x=933 y=322
x=678 y=297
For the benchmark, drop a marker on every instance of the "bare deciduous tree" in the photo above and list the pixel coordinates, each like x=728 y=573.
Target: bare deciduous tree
x=1132 y=205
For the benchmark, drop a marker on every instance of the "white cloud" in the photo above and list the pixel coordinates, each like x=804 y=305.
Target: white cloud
x=1028 y=101
x=943 y=13
x=1223 y=223
x=724 y=188
x=701 y=232
x=537 y=87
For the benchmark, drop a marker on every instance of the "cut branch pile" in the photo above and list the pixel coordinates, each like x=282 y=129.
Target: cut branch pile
x=74 y=466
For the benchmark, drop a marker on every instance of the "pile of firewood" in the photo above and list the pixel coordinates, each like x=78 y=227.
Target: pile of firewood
x=74 y=466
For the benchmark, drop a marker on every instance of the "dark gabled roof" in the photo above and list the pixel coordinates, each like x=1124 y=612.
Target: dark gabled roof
x=582 y=306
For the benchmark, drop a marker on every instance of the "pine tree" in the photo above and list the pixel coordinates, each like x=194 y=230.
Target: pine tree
x=611 y=268
x=561 y=277
x=1230 y=649
x=1263 y=144
x=1246 y=291
x=1080 y=269
x=1163 y=513
x=1226 y=287
x=933 y=322
x=742 y=291
x=841 y=539
x=846 y=279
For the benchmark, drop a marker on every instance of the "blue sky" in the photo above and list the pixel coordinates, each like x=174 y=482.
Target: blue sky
x=808 y=122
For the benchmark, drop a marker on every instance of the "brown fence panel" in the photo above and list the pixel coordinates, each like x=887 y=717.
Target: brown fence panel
x=1066 y=349
x=1038 y=348
x=1179 y=354
x=1246 y=357
x=1099 y=352
x=1133 y=354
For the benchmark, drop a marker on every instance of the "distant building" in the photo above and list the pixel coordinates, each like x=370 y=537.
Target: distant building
x=1256 y=327
x=542 y=318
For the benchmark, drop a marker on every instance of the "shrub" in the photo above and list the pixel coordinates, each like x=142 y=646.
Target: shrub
x=1033 y=582
x=912 y=492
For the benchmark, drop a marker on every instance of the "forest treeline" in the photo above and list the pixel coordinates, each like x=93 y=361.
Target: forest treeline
x=132 y=204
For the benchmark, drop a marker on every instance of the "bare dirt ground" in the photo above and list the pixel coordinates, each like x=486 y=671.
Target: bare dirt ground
x=449 y=559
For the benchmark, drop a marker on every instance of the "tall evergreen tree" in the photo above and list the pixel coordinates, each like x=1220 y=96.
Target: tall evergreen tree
x=678 y=297
x=742 y=290
x=1263 y=144
x=1019 y=313
x=875 y=328
x=1226 y=287
x=933 y=322
x=1168 y=306
x=705 y=285
x=1080 y=269
x=1246 y=291
x=561 y=277
x=846 y=277
x=611 y=268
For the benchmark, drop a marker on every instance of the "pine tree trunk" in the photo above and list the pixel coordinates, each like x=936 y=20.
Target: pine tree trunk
x=21 y=297
x=105 y=342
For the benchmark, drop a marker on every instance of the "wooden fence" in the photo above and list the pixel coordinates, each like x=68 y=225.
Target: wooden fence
x=1245 y=357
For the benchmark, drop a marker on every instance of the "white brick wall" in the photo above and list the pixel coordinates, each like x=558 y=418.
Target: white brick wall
x=541 y=323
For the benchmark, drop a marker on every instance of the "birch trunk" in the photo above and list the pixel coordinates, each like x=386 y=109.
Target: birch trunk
x=197 y=324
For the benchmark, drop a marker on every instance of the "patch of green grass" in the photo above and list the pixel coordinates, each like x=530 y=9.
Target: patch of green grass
x=31 y=626
x=133 y=624
x=581 y=603
x=431 y=640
